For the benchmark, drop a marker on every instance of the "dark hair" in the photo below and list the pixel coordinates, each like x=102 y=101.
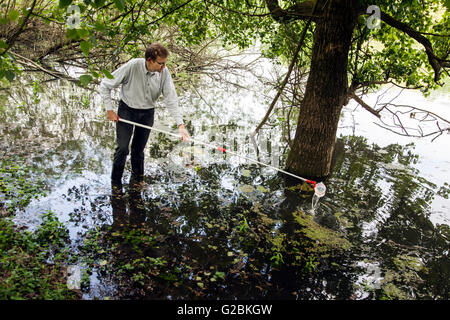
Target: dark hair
x=156 y=50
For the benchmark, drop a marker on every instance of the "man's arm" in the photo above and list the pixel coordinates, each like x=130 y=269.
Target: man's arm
x=183 y=133
x=120 y=76
x=171 y=102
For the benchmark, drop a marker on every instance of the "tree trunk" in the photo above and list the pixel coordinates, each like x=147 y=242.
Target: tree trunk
x=325 y=93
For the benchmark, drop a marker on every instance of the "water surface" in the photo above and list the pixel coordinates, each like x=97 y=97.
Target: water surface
x=213 y=226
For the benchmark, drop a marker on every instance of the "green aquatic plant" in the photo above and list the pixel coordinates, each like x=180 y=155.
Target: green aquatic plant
x=25 y=269
x=243 y=225
x=323 y=239
x=19 y=185
x=277 y=249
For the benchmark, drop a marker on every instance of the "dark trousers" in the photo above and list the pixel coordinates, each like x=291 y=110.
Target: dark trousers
x=124 y=131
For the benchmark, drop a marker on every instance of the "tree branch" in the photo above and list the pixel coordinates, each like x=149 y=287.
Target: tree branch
x=365 y=105
x=299 y=11
x=13 y=38
x=286 y=78
x=436 y=63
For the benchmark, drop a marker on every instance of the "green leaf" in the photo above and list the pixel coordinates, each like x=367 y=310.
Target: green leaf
x=9 y=75
x=98 y=26
x=246 y=173
x=95 y=74
x=99 y=3
x=262 y=189
x=85 y=79
x=246 y=188
x=447 y=4
x=120 y=4
x=85 y=46
x=13 y=15
x=107 y=74
x=83 y=33
x=72 y=34
x=64 y=3
x=3 y=44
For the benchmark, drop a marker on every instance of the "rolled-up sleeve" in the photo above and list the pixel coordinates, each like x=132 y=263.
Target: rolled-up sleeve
x=170 y=98
x=121 y=75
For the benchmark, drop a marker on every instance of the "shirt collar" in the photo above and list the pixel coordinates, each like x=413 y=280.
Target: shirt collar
x=144 y=69
x=150 y=73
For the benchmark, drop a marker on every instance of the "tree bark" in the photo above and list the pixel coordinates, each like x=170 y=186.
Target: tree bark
x=326 y=91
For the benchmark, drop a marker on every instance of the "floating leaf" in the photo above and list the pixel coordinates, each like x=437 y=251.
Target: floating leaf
x=246 y=188
x=246 y=173
x=262 y=189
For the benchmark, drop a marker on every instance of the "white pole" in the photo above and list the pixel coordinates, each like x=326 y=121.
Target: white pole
x=218 y=148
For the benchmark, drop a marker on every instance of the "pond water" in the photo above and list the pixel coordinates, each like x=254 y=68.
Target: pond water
x=212 y=226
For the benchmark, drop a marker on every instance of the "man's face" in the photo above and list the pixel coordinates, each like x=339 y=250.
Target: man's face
x=156 y=65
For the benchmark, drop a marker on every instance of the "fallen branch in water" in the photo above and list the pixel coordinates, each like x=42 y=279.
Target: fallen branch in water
x=420 y=115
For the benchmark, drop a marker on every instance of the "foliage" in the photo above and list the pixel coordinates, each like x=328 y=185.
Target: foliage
x=387 y=54
x=31 y=263
x=383 y=54
x=25 y=271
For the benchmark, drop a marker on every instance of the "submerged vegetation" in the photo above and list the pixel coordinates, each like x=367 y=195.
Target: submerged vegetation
x=17 y=188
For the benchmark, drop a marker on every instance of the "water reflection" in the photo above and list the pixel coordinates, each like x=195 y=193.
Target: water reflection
x=135 y=215
x=207 y=225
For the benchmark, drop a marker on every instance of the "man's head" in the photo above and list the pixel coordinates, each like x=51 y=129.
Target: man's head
x=156 y=57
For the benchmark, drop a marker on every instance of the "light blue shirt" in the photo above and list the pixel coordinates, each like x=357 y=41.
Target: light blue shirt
x=142 y=88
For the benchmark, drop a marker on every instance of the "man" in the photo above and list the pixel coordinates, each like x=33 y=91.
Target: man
x=143 y=81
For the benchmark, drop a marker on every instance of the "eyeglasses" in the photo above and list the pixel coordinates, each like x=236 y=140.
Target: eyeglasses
x=162 y=64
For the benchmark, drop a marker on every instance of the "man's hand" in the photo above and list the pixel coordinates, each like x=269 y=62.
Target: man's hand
x=183 y=133
x=111 y=115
